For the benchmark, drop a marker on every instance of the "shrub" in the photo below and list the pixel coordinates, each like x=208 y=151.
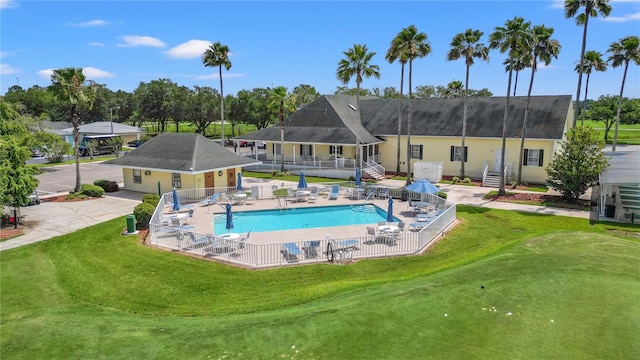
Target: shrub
x=73 y=196
x=92 y=190
x=442 y=194
x=143 y=213
x=152 y=199
x=455 y=179
x=351 y=178
x=107 y=185
x=467 y=180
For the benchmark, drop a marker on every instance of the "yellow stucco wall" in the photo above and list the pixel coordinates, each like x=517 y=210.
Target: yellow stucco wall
x=188 y=181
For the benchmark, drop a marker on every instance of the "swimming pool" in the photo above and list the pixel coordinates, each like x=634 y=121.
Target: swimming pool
x=301 y=218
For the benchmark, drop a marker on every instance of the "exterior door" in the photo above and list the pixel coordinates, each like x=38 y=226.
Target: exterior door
x=231 y=177
x=496 y=161
x=209 y=183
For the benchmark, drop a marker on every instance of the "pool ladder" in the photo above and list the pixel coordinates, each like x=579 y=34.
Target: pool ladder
x=282 y=203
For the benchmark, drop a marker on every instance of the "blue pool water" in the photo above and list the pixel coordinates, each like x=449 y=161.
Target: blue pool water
x=301 y=218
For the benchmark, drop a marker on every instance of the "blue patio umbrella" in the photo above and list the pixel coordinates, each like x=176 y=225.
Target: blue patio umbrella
x=358 y=176
x=302 y=182
x=239 y=187
x=229 y=218
x=423 y=186
x=390 y=210
x=176 y=200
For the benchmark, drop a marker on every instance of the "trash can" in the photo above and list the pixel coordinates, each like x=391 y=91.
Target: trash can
x=404 y=195
x=610 y=211
x=131 y=224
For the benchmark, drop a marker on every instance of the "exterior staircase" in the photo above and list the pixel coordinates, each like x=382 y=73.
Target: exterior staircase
x=492 y=179
x=373 y=173
x=630 y=198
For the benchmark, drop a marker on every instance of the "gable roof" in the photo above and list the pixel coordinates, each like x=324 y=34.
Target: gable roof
x=181 y=153
x=104 y=127
x=327 y=120
x=330 y=119
x=443 y=116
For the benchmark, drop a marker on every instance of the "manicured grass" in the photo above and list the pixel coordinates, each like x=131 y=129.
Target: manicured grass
x=628 y=134
x=571 y=289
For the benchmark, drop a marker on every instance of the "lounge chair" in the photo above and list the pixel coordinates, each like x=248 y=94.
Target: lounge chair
x=417 y=226
x=194 y=242
x=335 y=192
x=240 y=244
x=311 y=249
x=313 y=196
x=213 y=199
x=383 y=193
x=291 y=251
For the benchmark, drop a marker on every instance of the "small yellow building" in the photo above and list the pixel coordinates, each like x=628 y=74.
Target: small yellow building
x=176 y=160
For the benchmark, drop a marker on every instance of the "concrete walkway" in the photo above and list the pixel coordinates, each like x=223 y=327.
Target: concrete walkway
x=50 y=219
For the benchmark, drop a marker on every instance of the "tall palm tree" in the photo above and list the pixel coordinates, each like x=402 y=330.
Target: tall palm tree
x=282 y=103
x=413 y=45
x=218 y=55
x=357 y=62
x=622 y=52
x=592 y=61
x=591 y=9
x=518 y=64
x=71 y=86
x=512 y=38
x=543 y=48
x=467 y=45
x=394 y=53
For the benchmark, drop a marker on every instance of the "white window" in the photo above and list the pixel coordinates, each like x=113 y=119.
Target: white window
x=175 y=179
x=337 y=150
x=277 y=150
x=457 y=153
x=305 y=150
x=533 y=157
x=416 y=152
x=137 y=176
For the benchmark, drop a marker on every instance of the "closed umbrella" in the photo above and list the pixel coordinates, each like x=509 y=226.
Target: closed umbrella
x=302 y=182
x=176 y=200
x=239 y=187
x=358 y=176
x=390 y=210
x=229 y=218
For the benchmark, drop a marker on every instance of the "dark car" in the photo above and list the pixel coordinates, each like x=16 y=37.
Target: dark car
x=135 y=143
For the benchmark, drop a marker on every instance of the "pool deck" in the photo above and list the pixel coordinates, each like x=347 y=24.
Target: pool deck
x=203 y=218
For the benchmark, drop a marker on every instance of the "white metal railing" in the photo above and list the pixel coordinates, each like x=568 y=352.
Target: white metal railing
x=310 y=250
x=485 y=171
x=372 y=163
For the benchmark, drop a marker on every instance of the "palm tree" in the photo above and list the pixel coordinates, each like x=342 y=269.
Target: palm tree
x=357 y=62
x=512 y=38
x=281 y=102
x=393 y=54
x=413 y=45
x=518 y=64
x=71 y=86
x=218 y=55
x=591 y=9
x=592 y=61
x=623 y=51
x=543 y=48
x=467 y=45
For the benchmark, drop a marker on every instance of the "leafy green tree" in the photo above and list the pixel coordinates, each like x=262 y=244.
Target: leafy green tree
x=304 y=94
x=467 y=46
x=218 y=55
x=282 y=103
x=591 y=9
x=154 y=102
x=578 y=164
x=511 y=38
x=623 y=52
x=203 y=107
x=357 y=62
x=592 y=61
x=425 y=92
x=52 y=147
x=17 y=180
x=71 y=86
x=543 y=48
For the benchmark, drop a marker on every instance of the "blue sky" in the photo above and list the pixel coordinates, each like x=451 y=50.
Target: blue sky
x=288 y=43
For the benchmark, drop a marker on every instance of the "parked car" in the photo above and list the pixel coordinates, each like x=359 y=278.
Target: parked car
x=34 y=199
x=35 y=152
x=262 y=145
x=135 y=143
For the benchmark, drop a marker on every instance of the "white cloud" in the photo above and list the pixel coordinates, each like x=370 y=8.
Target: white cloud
x=8 y=4
x=214 y=76
x=96 y=43
x=45 y=73
x=136 y=40
x=6 y=69
x=95 y=22
x=557 y=4
x=91 y=72
x=624 y=18
x=189 y=50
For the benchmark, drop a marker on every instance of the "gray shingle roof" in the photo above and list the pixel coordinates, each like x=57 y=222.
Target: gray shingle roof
x=190 y=153
x=330 y=120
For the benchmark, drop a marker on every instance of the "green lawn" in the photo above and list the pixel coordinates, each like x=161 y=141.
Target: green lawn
x=627 y=134
x=554 y=287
